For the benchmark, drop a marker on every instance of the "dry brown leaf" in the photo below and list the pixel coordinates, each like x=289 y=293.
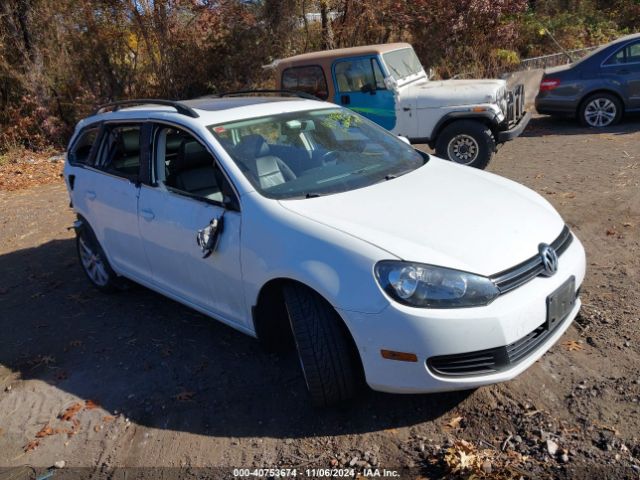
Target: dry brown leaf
x=185 y=396
x=45 y=432
x=96 y=428
x=32 y=445
x=572 y=345
x=611 y=232
x=90 y=405
x=454 y=422
x=70 y=412
x=108 y=418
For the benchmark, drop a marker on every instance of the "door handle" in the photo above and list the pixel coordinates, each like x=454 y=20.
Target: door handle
x=91 y=195
x=147 y=214
x=345 y=99
x=406 y=109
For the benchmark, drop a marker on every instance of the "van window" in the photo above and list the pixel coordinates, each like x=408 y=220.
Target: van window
x=80 y=153
x=306 y=79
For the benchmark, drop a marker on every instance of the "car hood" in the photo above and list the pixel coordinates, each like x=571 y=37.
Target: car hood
x=446 y=93
x=442 y=214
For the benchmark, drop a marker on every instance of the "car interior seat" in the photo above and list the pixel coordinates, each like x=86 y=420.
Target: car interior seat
x=194 y=172
x=253 y=150
x=125 y=151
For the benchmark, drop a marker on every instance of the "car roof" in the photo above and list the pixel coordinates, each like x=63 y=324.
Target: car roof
x=213 y=110
x=345 y=52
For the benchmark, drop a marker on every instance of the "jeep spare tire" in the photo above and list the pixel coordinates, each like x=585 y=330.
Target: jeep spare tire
x=467 y=142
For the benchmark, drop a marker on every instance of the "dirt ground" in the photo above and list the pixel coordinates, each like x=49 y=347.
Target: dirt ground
x=137 y=380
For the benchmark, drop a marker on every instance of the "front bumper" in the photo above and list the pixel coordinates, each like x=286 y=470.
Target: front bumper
x=430 y=333
x=516 y=130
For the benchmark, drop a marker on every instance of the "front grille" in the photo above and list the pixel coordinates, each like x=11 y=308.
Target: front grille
x=483 y=362
x=516 y=276
x=515 y=105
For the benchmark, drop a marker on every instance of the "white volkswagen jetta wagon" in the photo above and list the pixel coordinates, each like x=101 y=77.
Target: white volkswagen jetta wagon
x=304 y=224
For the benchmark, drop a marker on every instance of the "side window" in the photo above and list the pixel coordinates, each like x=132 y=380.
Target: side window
x=120 y=151
x=359 y=75
x=306 y=79
x=617 y=58
x=184 y=165
x=633 y=53
x=628 y=54
x=81 y=150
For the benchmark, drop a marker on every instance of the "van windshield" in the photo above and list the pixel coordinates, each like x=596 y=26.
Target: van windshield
x=312 y=153
x=402 y=63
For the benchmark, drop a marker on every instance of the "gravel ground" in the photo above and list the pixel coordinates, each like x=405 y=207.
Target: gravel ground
x=136 y=380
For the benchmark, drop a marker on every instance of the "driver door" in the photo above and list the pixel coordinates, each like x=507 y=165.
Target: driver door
x=359 y=85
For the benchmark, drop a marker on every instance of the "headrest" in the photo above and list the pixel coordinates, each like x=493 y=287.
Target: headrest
x=252 y=146
x=130 y=140
x=173 y=142
x=192 y=155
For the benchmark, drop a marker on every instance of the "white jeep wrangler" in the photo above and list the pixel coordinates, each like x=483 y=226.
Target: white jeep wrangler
x=463 y=120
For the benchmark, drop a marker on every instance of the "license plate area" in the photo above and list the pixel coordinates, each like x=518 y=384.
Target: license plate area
x=560 y=303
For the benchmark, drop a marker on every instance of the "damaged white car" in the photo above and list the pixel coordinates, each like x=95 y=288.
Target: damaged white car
x=308 y=226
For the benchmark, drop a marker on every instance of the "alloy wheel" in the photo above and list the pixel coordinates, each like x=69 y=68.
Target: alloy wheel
x=92 y=263
x=600 y=112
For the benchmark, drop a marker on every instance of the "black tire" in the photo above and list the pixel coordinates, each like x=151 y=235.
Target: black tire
x=327 y=357
x=610 y=105
x=87 y=243
x=475 y=140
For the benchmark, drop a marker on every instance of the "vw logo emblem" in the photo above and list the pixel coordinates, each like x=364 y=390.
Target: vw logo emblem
x=549 y=259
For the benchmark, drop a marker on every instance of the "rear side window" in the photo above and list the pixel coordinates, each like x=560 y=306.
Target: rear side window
x=80 y=152
x=120 y=151
x=306 y=79
x=628 y=54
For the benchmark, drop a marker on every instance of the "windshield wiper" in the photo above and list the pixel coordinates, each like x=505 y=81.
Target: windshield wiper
x=311 y=195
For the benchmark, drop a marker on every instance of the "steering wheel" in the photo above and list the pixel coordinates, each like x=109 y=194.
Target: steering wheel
x=330 y=158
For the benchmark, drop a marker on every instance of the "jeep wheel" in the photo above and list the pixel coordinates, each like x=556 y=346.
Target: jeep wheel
x=327 y=357
x=466 y=142
x=600 y=110
x=94 y=262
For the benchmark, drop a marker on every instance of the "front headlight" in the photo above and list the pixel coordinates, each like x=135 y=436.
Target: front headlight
x=428 y=286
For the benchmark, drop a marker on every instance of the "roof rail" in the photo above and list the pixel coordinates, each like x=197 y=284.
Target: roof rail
x=292 y=93
x=180 y=107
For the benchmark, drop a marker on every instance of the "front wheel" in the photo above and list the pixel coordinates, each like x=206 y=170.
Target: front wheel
x=327 y=357
x=466 y=142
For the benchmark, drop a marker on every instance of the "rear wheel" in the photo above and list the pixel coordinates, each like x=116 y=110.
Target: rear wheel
x=327 y=357
x=466 y=142
x=600 y=110
x=94 y=262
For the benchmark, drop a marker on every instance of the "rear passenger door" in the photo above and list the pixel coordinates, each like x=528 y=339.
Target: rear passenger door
x=189 y=191
x=106 y=193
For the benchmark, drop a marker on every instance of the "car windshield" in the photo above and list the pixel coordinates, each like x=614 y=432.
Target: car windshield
x=312 y=153
x=402 y=63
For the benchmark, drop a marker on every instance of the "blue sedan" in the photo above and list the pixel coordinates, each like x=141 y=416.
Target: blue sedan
x=598 y=89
